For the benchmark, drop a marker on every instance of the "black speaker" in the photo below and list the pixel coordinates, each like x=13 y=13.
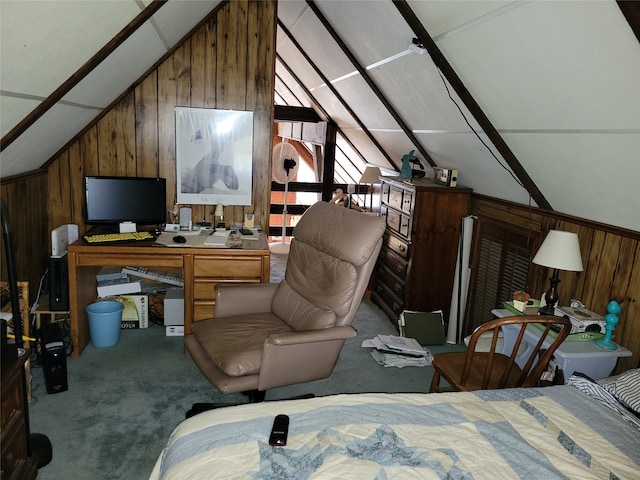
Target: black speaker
x=58 y=284
x=54 y=358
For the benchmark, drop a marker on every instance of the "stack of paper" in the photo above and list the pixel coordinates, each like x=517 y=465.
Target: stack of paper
x=393 y=351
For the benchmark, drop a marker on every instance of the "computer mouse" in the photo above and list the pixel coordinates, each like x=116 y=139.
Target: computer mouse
x=179 y=239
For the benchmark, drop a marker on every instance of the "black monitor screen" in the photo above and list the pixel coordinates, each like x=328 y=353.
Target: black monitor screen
x=111 y=200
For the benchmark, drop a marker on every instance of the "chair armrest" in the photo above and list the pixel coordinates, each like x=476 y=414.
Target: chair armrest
x=298 y=357
x=311 y=336
x=241 y=299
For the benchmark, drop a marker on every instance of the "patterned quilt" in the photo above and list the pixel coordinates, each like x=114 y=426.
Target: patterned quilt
x=509 y=434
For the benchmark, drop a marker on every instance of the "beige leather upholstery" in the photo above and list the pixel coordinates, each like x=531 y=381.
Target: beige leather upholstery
x=270 y=335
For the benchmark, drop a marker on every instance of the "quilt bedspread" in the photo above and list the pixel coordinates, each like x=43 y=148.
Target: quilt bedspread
x=508 y=434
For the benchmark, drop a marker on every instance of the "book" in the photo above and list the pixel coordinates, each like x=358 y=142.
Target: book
x=426 y=327
x=118 y=286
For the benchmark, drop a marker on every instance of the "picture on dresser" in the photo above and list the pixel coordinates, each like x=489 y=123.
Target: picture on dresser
x=214 y=152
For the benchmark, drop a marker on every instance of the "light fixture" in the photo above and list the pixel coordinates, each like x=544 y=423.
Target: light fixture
x=560 y=251
x=417 y=46
x=219 y=212
x=370 y=175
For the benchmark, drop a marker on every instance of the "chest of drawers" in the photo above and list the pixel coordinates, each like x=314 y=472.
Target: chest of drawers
x=416 y=266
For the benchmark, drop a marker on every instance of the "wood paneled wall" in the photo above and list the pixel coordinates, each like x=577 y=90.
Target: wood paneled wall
x=611 y=261
x=227 y=63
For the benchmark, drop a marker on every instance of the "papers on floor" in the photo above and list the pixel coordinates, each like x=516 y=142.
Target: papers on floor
x=393 y=351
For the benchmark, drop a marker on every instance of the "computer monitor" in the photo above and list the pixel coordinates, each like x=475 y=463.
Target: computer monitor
x=114 y=200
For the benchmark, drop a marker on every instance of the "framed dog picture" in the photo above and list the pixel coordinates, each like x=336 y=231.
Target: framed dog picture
x=214 y=153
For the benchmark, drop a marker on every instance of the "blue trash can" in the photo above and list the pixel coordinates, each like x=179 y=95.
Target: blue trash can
x=105 y=320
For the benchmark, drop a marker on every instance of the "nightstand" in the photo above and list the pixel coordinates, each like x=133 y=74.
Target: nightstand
x=571 y=356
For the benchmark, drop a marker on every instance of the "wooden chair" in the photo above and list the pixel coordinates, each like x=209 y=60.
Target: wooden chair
x=485 y=370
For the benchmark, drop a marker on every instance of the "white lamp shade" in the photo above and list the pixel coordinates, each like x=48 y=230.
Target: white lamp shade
x=560 y=250
x=371 y=175
x=219 y=211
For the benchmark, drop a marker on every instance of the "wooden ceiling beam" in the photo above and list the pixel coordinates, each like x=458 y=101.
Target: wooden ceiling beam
x=342 y=101
x=452 y=77
x=81 y=73
x=372 y=85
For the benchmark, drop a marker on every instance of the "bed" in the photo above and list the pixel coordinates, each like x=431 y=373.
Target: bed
x=579 y=430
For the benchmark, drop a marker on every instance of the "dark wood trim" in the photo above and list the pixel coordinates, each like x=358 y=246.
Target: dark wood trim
x=372 y=85
x=452 y=77
x=623 y=232
x=342 y=101
x=317 y=104
x=286 y=113
x=631 y=11
x=81 y=73
x=22 y=176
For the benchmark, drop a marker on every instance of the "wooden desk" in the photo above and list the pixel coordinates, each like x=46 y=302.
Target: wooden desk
x=202 y=268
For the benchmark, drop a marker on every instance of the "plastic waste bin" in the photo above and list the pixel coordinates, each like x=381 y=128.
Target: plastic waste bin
x=105 y=320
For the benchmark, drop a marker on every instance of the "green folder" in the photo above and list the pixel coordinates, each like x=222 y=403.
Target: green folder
x=426 y=327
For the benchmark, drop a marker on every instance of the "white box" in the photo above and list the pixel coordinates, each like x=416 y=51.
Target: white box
x=174 y=307
x=136 y=311
x=175 y=331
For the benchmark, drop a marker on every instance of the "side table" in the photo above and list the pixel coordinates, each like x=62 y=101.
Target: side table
x=572 y=356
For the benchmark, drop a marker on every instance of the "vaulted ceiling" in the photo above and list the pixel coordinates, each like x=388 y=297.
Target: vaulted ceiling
x=532 y=101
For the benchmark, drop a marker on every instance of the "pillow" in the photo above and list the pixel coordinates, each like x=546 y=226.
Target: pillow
x=626 y=388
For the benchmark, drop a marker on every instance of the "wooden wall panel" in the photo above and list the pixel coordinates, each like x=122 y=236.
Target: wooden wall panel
x=228 y=63
x=611 y=261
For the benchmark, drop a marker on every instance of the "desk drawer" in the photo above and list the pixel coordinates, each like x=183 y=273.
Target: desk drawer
x=228 y=267
x=203 y=309
x=204 y=288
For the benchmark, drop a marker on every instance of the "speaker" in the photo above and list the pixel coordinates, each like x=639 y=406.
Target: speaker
x=54 y=358
x=58 y=284
x=185 y=217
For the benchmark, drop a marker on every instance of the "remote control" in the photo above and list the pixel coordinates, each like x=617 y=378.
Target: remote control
x=279 y=431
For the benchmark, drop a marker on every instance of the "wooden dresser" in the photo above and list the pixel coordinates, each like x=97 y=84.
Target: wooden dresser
x=14 y=434
x=416 y=266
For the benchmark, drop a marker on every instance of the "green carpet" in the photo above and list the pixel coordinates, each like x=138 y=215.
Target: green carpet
x=124 y=401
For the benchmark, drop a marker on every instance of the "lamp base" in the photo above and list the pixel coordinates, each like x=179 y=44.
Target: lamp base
x=606 y=344
x=547 y=310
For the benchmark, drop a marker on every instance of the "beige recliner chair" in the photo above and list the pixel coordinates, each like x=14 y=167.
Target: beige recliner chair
x=274 y=334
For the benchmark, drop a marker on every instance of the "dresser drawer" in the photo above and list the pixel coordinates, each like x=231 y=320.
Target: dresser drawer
x=396 y=244
x=228 y=267
x=395 y=197
x=393 y=303
x=407 y=201
x=394 y=263
x=393 y=283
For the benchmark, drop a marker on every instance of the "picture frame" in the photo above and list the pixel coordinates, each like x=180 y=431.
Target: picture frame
x=214 y=156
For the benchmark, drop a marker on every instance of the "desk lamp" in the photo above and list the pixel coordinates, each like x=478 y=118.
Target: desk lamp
x=370 y=175
x=560 y=251
x=219 y=212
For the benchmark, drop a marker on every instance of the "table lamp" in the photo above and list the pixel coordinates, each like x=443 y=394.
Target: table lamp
x=371 y=175
x=219 y=212
x=560 y=251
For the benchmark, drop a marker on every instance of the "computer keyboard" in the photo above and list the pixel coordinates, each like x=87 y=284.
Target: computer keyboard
x=164 y=277
x=118 y=237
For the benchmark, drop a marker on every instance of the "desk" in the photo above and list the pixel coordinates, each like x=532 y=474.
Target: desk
x=584 y=357
x=202 y=269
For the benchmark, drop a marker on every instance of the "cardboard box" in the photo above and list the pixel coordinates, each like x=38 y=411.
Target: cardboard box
x=136 y=311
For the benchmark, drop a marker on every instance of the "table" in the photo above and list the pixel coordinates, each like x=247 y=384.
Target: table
x=576 y=356
x=202 y=268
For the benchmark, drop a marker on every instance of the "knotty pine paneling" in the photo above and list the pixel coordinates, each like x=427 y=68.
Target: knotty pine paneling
x=228 y=63
x=611 y=261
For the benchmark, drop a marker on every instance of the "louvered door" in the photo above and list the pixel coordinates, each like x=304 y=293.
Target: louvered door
x=500 y=265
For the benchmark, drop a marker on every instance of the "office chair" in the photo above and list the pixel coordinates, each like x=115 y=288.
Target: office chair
x=275 y=334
